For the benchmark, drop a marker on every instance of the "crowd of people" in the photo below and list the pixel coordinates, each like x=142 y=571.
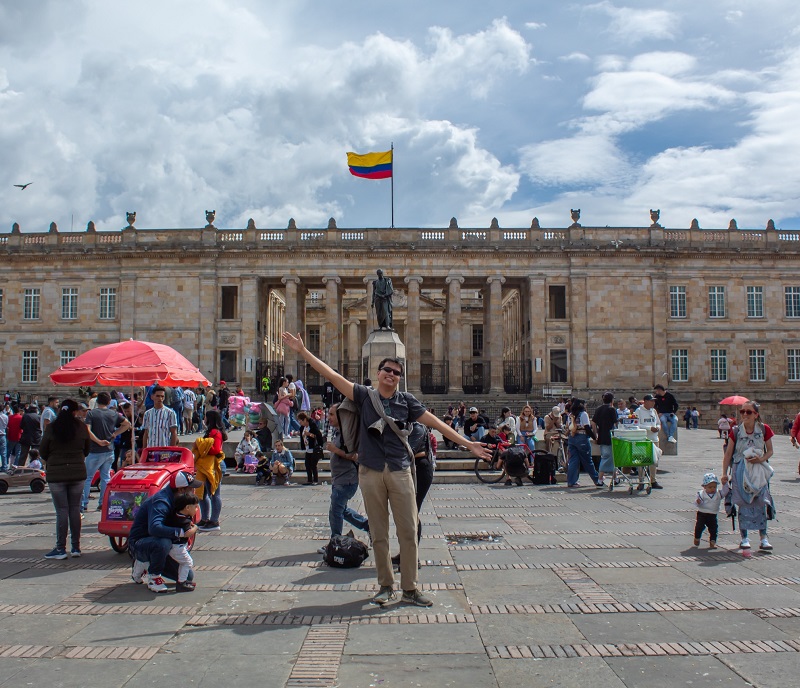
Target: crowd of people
x=379 y=439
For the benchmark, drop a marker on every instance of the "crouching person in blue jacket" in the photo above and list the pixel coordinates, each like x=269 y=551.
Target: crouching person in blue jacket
x=150 y=539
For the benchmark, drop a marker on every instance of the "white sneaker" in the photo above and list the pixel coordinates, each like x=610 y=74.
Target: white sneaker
x=765 y=545
x=672 y=439
x=745 y=543
x=156 y=584
x=138 y=570
x=321 y=550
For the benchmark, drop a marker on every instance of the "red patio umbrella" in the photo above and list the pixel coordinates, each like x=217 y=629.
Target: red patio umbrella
x=130 y=363
x=735 y=400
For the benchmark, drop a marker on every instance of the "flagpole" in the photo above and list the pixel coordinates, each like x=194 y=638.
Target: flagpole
x=392 y=184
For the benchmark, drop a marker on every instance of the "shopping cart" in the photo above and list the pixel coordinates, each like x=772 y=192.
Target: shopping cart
x=632 y=453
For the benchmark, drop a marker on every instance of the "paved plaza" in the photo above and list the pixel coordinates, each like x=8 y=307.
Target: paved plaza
x=533 y=586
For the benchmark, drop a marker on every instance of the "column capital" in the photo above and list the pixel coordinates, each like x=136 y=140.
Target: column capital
x=412 y=278
x=454 y=277
x=353 y=321
x=439 y=321
x=331 y=278
x=495 y=278
x=290 y=278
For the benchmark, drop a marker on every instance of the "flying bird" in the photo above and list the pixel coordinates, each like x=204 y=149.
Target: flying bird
x=23 y=186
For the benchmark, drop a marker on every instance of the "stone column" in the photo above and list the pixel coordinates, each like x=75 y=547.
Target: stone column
x=538 y=333
x=353 y=341
x=495 y=334
x=413 y=334
x=248 y=342
x=333 y=321
x=438 y=340
x=208 y=359
x=293 y=320
x=454 y=354
x=371 y=318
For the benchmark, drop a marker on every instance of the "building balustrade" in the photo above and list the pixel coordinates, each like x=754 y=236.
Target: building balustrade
x=571 y=238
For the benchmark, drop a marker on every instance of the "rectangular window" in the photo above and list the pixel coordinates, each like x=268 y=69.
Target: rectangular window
x=677 y=302
x=793 y=365
x=477 y=341
x=758 y=365
x=558 y=366
x=719 y=365
x=680 y=365
x=30 y=366
x=313 y=340
x=558 y=302
x=69 y=303
x=108 y=303
x=792 y=299
x=67 y=355
x=227 y=365
x=230 y=297
x=31 y=304
x=716 y=302
x=755 y=302
x=1 y=304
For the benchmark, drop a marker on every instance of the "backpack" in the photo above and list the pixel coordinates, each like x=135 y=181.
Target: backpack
x=345 y=552
x=514 y=461
x=544 y=468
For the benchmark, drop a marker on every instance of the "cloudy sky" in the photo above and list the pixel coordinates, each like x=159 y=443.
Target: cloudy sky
x=506 y=109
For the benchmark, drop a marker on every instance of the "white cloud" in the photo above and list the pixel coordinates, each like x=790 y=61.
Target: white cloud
x=734 y=15
x=584 y=160
x=575 y=57
x=667 y=63
x=535 y=25
x=631 y=25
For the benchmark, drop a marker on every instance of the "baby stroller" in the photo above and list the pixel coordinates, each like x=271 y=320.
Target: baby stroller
x=250 y=463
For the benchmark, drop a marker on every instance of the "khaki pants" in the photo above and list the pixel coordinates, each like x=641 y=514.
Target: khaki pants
x=380 y=490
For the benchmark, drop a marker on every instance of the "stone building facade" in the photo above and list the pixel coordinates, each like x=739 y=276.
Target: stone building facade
x=535 y=312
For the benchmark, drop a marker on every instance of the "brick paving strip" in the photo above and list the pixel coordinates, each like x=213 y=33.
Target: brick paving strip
x=320 y=655
x=641 y=649
x=624 y=607
x=78 y=652
x=287 y=619
x=584 y=586
x=328 y=587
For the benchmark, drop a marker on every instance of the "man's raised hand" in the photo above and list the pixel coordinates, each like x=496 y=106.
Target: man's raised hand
x=295 y=343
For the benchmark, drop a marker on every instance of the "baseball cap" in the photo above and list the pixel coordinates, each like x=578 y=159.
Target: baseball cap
x=709 y=478
x=222 y=382
x=472 y=409
x=183 y=479
x=648 y=397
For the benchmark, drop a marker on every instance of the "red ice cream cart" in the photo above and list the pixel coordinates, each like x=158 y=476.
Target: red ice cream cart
x=131 y=485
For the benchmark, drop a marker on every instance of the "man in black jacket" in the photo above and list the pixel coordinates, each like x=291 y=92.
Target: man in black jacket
x=667 y=406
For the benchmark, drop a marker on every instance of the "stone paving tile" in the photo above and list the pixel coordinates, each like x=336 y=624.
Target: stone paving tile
x=765 y=671
x=407 y=671
x=74 y=673
x=405 y=639
x=513 y=673
x=667 y=672
x=528 y=630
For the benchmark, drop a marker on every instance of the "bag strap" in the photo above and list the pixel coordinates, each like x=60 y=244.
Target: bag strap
x=402 y=434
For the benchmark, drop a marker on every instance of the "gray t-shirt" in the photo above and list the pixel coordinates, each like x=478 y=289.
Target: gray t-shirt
x=343 y=471
x=103 y=422
x=375 y=450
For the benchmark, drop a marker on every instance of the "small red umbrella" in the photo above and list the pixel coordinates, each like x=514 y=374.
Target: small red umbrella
x=735 y=400
x=130 y=363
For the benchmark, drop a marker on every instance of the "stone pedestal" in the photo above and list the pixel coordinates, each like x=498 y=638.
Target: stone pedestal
x=668 y=448
x=382 y=344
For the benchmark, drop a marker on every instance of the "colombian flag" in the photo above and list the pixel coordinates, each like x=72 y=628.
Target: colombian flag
x=371 y=165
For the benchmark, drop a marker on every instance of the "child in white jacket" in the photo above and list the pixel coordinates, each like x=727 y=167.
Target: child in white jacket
x=708 y=501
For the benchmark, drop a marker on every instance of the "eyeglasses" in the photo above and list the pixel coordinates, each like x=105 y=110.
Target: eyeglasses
x=747 y=412
x=391 y=371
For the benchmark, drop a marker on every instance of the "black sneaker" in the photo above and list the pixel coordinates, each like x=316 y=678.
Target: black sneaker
x=657 y=486
x=415 y=597
x=640 y=487
x=56 y=553
x=508 y=483
x=209 y=525
x=519 y=482
x=185 y=586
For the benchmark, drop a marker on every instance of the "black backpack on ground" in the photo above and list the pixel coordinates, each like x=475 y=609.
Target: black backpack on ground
x=514 y=462
x=345 y=552
x=544 y=468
